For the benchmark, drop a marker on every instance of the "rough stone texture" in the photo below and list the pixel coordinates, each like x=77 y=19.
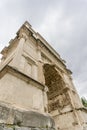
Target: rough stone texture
x=35 y=80
x=15 y=119
x=13 y=127
x=14 y=116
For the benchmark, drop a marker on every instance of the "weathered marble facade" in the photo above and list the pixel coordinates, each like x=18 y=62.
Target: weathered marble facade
x=34 y=78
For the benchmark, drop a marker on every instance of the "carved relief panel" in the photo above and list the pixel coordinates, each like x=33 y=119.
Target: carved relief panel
x=58 y=102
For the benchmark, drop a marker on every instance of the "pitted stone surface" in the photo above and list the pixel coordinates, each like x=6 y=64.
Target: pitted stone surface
x=1 y=128
x=22 y=128
x=35 y=119
x=8 y=128
x=24 y=120
x=13 y=127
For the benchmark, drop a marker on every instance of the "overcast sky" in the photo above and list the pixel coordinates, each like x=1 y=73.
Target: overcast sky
x=63 y=23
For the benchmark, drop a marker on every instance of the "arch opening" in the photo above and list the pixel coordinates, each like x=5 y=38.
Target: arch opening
x=57 y=92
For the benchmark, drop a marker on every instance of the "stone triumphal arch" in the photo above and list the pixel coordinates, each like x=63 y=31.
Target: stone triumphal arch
x=35 y=79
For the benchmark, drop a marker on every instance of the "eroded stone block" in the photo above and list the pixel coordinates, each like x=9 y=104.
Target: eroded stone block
x=1 y=128
x=4 y=113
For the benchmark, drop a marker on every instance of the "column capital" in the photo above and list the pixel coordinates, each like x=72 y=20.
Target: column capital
x=39 y=44
x=23 y=35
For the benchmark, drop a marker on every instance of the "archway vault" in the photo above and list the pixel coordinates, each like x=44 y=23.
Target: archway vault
x=57 y=90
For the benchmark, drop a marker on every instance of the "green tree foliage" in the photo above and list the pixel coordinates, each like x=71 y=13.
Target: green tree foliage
x=84 y=101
